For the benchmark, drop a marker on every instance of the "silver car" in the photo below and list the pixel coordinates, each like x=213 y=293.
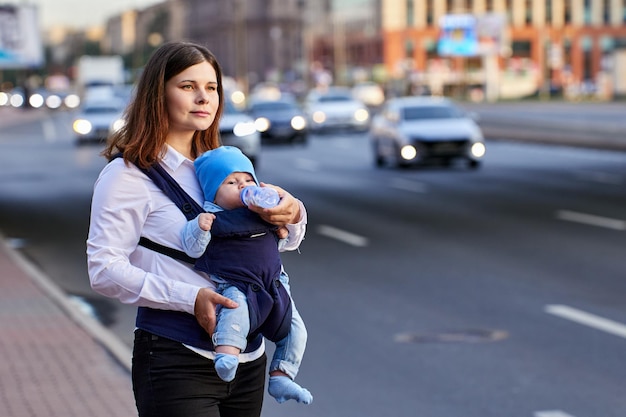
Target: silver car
x=413 y=130
x=97 y=119
x=238 y=129
x=335 y=108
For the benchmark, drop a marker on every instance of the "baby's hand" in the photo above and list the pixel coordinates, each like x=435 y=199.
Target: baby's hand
x=205 y=221
x=282 y=232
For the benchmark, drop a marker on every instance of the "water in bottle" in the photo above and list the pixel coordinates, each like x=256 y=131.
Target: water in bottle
x=265 y=197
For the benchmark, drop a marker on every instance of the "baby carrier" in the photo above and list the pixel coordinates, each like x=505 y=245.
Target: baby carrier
x=269 y=303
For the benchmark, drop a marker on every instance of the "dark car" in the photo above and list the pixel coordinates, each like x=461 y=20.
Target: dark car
x=279 y=120
x=413 y=130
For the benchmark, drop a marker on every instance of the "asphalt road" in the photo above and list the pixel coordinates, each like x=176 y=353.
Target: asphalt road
x=432 y=292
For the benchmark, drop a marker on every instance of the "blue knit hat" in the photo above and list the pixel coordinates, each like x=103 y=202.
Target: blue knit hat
x=212 y=168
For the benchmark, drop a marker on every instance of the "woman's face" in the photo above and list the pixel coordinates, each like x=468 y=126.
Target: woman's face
x=192 y=99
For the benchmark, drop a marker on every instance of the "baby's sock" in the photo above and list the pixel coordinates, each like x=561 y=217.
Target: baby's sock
x=226 y=366
x=282 y=388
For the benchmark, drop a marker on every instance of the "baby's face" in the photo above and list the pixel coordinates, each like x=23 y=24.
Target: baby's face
x=228 y=194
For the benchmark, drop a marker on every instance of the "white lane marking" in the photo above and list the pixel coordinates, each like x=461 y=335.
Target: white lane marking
x=591 y=219
x=587 y=319
x=408 y=185
x=552 y=413
x=307 y=164
x=342 y=235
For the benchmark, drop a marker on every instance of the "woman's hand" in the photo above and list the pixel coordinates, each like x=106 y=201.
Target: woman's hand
x=204 y=309
x=286 y=212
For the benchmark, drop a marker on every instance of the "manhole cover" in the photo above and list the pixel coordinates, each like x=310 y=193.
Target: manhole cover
x=460 y=336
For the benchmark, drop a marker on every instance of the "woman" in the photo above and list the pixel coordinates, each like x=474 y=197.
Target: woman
x=172 y=120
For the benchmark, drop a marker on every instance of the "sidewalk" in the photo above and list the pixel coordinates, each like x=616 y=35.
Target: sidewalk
x=55 y=361
x=597 y=125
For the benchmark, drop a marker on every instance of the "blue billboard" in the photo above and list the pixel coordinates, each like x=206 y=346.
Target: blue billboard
x=457 y=35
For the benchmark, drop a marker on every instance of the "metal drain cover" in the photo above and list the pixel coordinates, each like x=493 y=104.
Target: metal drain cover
x=461 y=336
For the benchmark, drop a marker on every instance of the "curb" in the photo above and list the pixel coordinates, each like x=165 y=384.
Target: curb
x=118 y=350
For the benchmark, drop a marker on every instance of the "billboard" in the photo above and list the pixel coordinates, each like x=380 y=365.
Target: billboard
x=457 y=35
x=20 y=41
x=471 y=35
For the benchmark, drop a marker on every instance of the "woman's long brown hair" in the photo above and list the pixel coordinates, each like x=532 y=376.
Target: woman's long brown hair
x=142 y=139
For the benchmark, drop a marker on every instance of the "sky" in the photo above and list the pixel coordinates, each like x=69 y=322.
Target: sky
x=80 y=14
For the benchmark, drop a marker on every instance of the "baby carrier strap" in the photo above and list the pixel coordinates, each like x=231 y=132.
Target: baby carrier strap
x=183 y=201
x=173 y=190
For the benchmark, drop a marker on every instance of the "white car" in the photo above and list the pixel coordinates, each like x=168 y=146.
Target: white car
x=238 y=129
x=97 y=119
x=413 y=130
x=336 y=108
x=370 y=93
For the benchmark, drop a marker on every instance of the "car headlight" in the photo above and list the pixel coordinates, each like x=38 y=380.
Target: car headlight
x=298 y=122
x=262 y=124
x=82 y=126
x=478 y=149
x=238 y=98
x=361 y=115
x=244 y=129
x=319 y=117
x=36 y=100
x=72 y=101
x=117 y=125
x=53 y=101
x=4 y=98
x=16 y=100
x=408 y=152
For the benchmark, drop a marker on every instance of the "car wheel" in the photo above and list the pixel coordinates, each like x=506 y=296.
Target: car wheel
x=379 y=161
x=473 y=164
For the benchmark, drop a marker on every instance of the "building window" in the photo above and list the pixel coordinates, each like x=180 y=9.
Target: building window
x=521 y=49
x=587 y=11
x=489 y=5
x=450 y=6
x=528 y=5
x=429 y=12
x=606 y=11
x=408 y=49
x=568 y=12
x=508 y=4
x=410 y=14
x=549 y=12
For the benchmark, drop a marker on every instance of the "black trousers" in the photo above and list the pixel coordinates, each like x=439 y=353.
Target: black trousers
x=170 y=380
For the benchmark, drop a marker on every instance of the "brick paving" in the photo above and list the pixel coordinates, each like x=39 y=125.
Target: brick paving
x=49 y=365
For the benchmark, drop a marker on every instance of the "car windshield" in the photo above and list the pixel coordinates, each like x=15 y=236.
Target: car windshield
x=334 y=97
x=101 y=109
x=435 y=112
x=272 y=106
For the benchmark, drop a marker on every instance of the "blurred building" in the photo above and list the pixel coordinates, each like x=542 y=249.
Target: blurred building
x=571 y=46
x=552 y=45
x=254 y=40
